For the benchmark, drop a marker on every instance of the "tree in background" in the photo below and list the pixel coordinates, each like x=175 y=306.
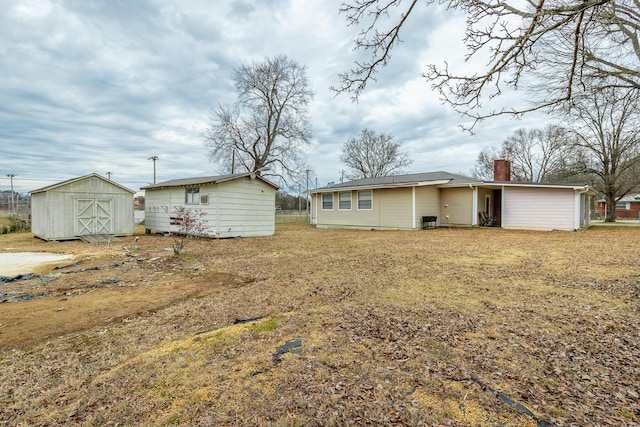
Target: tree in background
x=567 y=45
x=373 y=155
x=536 y=155
x=268 y=127
x=606 y=145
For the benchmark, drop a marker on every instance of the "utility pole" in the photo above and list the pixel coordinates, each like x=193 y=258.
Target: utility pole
x=13 y=211
x=154 y=158
x=109 y=175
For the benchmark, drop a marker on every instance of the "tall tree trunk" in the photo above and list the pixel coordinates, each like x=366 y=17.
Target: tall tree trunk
x=610 y=199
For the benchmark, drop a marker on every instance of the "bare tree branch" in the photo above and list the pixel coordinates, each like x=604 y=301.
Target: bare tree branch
x=373 y=155
x=572 y=46
x=268 y=127
x=607 y=140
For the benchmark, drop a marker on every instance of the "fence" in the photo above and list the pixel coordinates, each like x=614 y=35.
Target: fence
x=292 y=217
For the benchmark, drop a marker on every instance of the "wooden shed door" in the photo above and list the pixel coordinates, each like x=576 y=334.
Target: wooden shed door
x=93 y=216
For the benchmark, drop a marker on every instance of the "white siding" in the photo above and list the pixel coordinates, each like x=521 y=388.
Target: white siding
x=538 y=208
x=246 y=208
x=54 y=210
x=241 y=207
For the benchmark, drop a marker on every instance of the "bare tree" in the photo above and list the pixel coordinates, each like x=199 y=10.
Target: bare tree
x=268 y=127
x=483 y=168
x=373 y=155
x=607 y=143
x=536 y=155
x=572 y=45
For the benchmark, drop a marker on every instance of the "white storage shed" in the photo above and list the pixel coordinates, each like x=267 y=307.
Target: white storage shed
x=83 y=206
x=235 y=205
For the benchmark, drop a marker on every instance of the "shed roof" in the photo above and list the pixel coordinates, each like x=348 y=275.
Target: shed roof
x=185 y=182
x=80 y=178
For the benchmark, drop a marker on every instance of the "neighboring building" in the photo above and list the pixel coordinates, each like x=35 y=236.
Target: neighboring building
x=236 y=205
x=83 y=206
x=138 y=202
x=401 y=202
x=626 y=208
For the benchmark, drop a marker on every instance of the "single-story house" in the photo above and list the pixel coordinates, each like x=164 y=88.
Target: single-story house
x=235 y=205
x=83 y=206
x=423 y=200
x=627 y=207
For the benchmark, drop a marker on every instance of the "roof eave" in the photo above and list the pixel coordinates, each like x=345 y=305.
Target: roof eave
x=379 y=186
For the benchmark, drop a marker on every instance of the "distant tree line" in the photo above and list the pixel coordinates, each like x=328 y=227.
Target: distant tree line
x=289 y=202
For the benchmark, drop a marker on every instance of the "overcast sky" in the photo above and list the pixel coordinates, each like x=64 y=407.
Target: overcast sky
x=100 y=86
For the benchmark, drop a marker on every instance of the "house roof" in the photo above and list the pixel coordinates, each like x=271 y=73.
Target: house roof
x=80 y=178
x=628 y=198
x=409 y=180
x=441 y=178
x=202 y=180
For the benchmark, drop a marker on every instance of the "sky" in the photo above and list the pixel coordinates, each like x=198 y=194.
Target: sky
x=101 y=86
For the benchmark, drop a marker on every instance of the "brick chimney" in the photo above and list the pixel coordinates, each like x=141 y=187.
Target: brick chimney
x=501 y=170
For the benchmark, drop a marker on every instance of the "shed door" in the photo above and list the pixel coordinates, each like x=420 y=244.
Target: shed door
x=94 y=216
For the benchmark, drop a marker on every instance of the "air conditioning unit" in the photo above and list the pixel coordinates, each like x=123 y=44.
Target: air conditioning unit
x=204 y=199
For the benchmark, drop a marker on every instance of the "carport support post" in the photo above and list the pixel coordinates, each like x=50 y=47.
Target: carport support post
x=474 y=209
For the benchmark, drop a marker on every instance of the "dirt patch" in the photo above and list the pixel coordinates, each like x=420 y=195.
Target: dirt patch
x=98 y=290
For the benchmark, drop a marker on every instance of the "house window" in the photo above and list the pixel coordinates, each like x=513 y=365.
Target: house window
x=365 y=200
x=621 y=205
x=344 y=201
x=327 y=201
x=192 y=196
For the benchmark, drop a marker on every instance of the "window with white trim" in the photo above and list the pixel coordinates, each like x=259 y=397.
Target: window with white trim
x=344 y=201
x=192 y=196
x=365 y=200
x=327 y=201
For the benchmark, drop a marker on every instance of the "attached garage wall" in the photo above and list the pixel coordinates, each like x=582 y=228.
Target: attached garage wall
x=538 y=208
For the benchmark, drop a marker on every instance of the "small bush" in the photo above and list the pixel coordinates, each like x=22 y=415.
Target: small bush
x=190 y=226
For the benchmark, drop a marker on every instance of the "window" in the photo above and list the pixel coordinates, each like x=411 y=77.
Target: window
x=365 y=199
x=621 y=205
x=192 y=196
x=327 y=201
x=344 y=201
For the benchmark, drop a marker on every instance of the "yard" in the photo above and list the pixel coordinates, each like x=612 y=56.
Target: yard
x=328 y=327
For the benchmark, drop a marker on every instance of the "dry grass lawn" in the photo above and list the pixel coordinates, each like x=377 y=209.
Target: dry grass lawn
x=461 y=327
